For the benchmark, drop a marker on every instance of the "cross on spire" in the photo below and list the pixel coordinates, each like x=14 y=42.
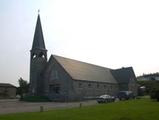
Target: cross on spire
x=38 y=11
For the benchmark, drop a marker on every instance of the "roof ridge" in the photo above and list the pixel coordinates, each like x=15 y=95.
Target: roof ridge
x=82 y=62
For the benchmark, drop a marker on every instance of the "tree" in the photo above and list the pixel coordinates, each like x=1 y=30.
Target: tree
x=152 y=88
x=23 y=88
x=150 y=85
x=155 y=94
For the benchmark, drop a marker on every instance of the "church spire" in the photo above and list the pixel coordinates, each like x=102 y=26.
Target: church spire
x=38 y=60
x=38 y=42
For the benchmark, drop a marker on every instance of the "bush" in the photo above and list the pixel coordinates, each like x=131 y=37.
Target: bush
x=35 y=99
x=155 y=94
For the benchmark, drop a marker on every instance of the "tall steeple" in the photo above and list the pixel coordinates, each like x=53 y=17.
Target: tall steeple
x=38 y=60
x=38 y=42
x=38 y=47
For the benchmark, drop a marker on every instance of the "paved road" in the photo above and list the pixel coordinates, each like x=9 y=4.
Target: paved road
x=15 y=106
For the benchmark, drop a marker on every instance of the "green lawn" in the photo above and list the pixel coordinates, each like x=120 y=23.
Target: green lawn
x=141 y=109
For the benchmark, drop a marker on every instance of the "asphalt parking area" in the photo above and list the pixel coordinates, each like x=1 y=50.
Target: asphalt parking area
x=16 y=106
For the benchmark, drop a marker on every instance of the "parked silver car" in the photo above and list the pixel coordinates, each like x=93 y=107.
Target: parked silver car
x=105 y=99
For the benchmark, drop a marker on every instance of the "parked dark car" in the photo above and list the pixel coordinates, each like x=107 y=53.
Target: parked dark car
x=105 y=99
x=125 y=95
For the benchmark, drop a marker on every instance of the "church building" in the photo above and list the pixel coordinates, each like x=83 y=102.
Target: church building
x=61 y=79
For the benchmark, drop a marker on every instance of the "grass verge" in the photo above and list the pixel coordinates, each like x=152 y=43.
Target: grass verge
x=141 y=109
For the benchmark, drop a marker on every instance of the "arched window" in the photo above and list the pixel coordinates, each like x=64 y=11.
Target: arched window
x=80 y=85
x=41 y=54
x=89 y=85
x=34 y=56
x=97 y=85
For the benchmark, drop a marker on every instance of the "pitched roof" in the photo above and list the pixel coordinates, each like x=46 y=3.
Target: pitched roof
x=6 y=85
x=84 y=71
x=124 y=75
x=38 y=41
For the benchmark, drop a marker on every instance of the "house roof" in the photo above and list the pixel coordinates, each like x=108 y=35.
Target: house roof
x=124 y=75
x=150 y=75
x=6 y=85
x=84 y=71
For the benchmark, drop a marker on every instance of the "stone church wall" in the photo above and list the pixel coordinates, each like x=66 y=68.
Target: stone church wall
x=59 y=82
x=88 y=89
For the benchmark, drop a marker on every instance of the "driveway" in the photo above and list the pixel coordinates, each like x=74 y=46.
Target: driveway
x=16 y=106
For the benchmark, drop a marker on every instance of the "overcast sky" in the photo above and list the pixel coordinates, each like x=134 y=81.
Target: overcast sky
x=110 y=33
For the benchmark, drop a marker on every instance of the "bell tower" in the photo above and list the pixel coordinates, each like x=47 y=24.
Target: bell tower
x=38 y=60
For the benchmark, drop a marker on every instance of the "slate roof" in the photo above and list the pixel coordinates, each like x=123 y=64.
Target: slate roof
x=6 y=85
x=84 y=71
x=124 y=75
x=38 y=41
